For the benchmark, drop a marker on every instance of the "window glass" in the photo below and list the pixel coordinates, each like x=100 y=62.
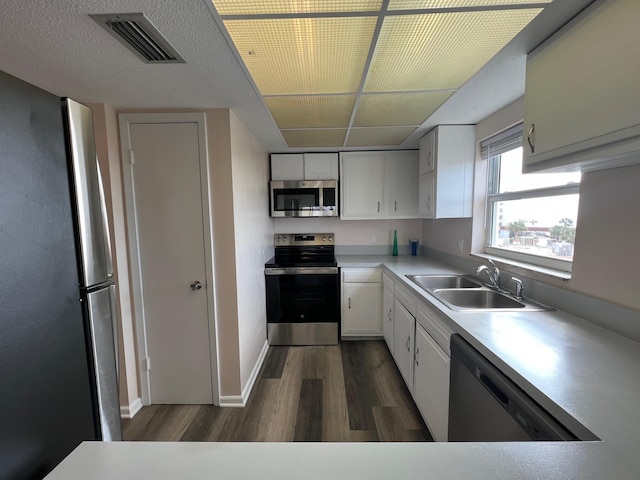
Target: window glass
x=531 y=217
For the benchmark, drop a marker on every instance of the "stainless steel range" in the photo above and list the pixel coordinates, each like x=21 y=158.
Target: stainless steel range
x=303 y=290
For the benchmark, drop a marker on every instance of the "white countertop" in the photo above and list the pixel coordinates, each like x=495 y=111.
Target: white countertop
x=586 y=376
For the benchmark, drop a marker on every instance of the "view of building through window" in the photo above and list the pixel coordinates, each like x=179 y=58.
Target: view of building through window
x=532 y=214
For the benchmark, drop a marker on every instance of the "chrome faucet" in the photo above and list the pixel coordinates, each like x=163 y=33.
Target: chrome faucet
x=492 y=273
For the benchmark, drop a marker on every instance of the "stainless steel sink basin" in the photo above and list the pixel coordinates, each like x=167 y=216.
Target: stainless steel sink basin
x=432 y=282
x=483 y=299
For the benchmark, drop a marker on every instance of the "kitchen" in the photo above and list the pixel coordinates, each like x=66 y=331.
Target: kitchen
x=601 y=289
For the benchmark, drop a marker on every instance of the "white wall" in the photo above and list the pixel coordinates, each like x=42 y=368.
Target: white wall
x=253 y=242
x=354 y=232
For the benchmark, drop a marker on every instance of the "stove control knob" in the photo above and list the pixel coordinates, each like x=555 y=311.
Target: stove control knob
x=324 y=238
x=330 y=238
x=283 y=238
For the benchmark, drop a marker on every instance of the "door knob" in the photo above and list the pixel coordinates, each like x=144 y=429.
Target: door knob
x=196 y=285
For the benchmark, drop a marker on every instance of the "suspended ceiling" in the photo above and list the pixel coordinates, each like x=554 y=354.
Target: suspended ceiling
x=365 y=72
x=58 y=47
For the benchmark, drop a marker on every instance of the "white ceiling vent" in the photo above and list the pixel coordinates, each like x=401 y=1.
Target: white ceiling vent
x=139 y=35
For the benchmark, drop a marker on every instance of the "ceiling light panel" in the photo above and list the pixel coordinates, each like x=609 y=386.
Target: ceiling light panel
x=383 y=136
x=377 y=110
x=314 y=138
x=307 y=111
x=428 y=4
x=304 y=55
x=267 y=7
x=441 y=50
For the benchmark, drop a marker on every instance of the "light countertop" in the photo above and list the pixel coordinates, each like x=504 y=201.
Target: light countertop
x=584 y=375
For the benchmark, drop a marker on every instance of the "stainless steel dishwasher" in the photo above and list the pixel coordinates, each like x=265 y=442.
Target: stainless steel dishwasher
x=486 y=406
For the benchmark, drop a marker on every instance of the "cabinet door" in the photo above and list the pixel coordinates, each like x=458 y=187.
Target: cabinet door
x=582 y=90
x=321 y=166
x=362 y=185
x=427 y=152
x=361 y=309
x=402 y=175
x=431 y=384
x=287 y=166
x=387 y=317
x=403 y=333
x=427 y=199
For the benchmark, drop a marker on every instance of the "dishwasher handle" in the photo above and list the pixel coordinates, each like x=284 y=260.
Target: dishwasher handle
x=492 y=387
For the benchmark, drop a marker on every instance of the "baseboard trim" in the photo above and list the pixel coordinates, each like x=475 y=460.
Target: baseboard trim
x=239 y=401
x=129 y=411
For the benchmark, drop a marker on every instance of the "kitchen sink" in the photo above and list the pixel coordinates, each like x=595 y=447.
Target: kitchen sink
x=483 y=299
x=467 y=293
x=432 y=282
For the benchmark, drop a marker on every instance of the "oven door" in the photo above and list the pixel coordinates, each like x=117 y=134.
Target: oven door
x=302 y=305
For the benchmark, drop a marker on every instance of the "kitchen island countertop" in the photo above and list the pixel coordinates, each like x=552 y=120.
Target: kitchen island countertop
x=584 y=375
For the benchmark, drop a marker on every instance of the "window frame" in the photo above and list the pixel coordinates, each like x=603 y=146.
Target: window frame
x=506 y=141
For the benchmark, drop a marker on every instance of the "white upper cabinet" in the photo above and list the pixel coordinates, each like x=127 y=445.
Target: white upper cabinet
x=287 y=166
x=304 y=166
x=447 y=156
x=321 y=166
x=401 y=173
x=427 y=152
x=582 y=107
x=376 y=185
x=362 y=185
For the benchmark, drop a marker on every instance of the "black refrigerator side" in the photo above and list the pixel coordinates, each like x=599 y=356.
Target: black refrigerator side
x=47 y=401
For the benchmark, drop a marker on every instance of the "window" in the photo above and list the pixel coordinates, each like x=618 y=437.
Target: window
x=531 y=217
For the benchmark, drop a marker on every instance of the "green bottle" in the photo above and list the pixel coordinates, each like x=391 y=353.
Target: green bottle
x=395 y=243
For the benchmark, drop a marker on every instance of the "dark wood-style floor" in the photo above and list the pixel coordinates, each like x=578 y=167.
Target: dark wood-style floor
x=350 y=392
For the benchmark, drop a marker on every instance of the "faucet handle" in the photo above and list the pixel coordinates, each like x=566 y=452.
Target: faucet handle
x=519 y=288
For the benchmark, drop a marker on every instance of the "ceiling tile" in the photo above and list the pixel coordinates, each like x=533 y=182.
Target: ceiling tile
x=262 y=7
x=378 y=110
x=382 y=136
x=308 y=111
x=440 y=51
x=314 y=138
x=304 y=55
x=424 y=4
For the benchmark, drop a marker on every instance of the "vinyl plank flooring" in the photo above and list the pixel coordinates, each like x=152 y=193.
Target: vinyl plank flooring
x=308 y=426
x=351 y=392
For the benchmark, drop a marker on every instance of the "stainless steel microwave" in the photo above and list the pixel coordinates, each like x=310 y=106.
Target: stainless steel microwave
x=304 y=198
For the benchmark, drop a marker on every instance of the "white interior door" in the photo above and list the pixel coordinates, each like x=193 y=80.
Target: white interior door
x=167 y=192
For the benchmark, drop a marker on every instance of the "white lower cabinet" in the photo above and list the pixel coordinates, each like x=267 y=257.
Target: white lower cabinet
x=361 y=302
x=387 y=312
x=431 y=371
x=431 y=384
x=403 y=337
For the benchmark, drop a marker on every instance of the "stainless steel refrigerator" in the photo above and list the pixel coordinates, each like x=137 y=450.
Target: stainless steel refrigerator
x=58 y=365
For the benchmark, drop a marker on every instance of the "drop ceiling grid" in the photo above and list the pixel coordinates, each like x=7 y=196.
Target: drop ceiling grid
x=302 y=56
x=311 y=59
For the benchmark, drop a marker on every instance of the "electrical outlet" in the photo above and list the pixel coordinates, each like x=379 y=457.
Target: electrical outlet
x=373 y=239
x=461 y=245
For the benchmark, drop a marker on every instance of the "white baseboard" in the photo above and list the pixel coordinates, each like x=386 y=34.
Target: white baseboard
x=241 y=400
x=129 y=411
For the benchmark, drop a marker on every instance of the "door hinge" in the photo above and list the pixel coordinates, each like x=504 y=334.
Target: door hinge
x=132 y=158
x=147 y=364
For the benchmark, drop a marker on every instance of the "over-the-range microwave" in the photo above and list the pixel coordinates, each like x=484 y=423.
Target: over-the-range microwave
x=304 y=198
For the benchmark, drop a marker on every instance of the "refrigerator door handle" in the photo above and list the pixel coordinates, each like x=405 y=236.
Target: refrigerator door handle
x=105 y=223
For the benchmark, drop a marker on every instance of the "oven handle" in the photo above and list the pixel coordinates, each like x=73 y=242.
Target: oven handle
x=302 y=271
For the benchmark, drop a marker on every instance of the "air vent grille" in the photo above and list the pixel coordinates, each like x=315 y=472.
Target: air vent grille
x=139 y=35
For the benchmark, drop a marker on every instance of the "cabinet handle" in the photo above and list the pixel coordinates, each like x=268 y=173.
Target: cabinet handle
x=378 y=207
x=407 y=343
x=395 y=205
x=429 y=203
x=529 y=137
x=389 y=315
x=418 y=356
x=349 y=302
